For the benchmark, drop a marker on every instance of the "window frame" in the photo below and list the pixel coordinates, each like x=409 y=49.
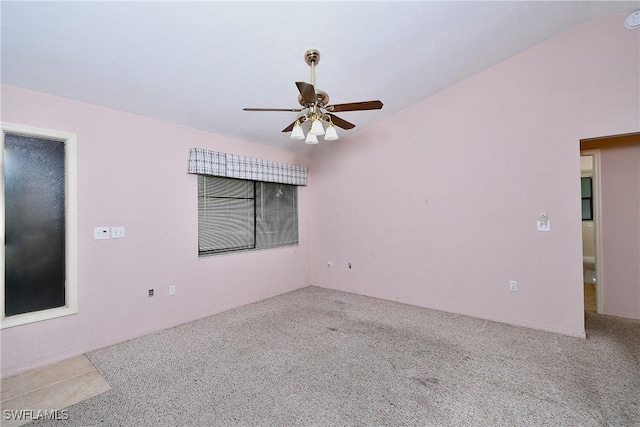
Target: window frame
x=590 y=198
x=71 y=225
x=204 y=254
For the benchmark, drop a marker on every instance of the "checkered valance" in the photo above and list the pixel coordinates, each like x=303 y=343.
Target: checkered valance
x=207 y=162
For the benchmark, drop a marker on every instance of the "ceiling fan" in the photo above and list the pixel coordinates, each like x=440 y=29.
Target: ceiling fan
x=315 y=109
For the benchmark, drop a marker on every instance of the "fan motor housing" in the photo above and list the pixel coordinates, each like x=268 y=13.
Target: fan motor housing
x=322 y=98
x=312 y=55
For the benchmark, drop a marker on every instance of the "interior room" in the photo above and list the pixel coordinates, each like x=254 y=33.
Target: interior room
x=416 y=257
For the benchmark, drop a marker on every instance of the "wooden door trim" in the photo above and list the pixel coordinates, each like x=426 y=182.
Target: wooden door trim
x=622 y=140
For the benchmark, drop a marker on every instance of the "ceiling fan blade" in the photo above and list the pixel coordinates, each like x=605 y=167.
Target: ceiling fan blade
x=294 y=110
x=307 y=91
x=289 y=128
x=355 y=106
x=341 y=123
x=299 y=120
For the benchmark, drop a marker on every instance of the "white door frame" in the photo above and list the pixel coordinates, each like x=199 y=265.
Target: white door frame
x=597 y=221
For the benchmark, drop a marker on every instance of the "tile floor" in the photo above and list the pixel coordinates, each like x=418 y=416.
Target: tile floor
x=50 y=388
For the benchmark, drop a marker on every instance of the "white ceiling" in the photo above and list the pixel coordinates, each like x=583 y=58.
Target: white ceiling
x=199 y=63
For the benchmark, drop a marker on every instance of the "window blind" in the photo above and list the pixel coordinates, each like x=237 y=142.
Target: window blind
x=226 y=215
x=277 y=215
x=237 y=215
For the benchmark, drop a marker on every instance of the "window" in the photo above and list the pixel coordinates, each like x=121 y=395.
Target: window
x=241 y=215
x=39 y=255
x=587 y=198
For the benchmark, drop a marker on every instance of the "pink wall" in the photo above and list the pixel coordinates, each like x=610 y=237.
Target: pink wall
x=132 y=172
x=437 y=205
x=620 y=188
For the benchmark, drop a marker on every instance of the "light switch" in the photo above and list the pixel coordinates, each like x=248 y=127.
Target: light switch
x=117 y=232
x=544 y=227
x=100 y=233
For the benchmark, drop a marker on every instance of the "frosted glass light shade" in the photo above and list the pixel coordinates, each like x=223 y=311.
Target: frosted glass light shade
x=297 y=132
x=316 y=128
x=311 y=139
x=331 y=134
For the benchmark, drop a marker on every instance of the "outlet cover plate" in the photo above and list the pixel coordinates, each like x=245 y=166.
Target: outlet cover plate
x=100 y=233
x=117 y=232
x=544 y=226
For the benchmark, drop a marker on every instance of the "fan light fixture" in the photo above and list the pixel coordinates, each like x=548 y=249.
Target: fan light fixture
x=297 y=132
x=311 y=139
x=316 y=127
x=330 y=134
x=315 y=130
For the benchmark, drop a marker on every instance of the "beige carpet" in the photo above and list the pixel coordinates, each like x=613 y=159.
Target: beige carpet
x=320 y=357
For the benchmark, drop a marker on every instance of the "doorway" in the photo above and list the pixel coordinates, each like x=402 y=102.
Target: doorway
x=589 y=224
x=616 y=212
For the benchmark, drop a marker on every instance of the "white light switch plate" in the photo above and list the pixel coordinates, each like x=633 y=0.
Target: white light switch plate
x=117 y=232
x=100 y=233
x=544 y=227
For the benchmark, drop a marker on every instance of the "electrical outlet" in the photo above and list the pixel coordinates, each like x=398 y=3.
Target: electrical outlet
x=172 y=289
x=513 y=286
x=150 y=293
x=100 y=233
